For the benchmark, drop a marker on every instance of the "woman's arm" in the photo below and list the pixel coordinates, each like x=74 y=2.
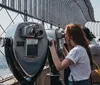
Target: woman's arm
x=59 y=65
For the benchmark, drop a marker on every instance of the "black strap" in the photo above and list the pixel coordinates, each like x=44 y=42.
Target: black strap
x=66 y=75
x=74 y=83
x=91 y=80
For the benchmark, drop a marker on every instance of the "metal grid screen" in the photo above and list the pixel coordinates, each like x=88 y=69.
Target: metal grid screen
x=56 y=12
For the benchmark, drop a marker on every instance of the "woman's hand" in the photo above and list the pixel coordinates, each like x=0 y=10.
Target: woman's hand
x=52 y=43
x=65 y=51
x=60 y=65
x=52 y=46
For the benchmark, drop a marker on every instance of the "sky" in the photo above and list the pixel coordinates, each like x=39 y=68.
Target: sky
x=96 y=7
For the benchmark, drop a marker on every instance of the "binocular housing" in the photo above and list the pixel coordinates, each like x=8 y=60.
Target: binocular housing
x=26 y=48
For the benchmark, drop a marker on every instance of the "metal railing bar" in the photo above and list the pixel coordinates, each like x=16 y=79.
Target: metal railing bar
x=25 y=14
x=9 y=15
x=6 y=79
x=22 y=17
x=2 y=53
x=10 y=23
x=2 y=28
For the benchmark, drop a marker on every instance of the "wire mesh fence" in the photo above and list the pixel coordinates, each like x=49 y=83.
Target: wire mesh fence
x=56 y=12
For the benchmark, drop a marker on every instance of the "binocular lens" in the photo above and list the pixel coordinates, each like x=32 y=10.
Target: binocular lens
x=40 y=32
x=32 y=31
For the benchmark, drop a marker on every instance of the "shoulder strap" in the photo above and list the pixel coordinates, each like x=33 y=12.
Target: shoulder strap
x=74 y=83
x=91 y=80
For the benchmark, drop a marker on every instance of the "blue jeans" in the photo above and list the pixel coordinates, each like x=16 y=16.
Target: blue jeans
x=82 y=82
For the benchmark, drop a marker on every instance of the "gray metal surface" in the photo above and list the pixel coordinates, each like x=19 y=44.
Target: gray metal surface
x=94 y=27
x=30 y=64
x=56 y=12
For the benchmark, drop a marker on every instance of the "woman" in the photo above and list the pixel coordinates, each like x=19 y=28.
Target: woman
x=78 y=58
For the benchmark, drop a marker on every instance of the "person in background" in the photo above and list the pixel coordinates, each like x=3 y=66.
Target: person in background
x=78 y=58
x=95 y=50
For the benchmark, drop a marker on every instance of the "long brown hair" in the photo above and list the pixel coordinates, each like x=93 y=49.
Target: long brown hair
x=78 y=37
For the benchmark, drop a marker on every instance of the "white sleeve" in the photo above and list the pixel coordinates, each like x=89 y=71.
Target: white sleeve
x=74 y=55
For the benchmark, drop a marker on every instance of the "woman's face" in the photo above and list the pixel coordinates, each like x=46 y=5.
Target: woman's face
x=66 y=36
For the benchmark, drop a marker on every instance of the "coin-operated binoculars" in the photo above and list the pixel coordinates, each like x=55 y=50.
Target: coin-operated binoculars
x=26 y=50
x=58 y=36
x=26 y=47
